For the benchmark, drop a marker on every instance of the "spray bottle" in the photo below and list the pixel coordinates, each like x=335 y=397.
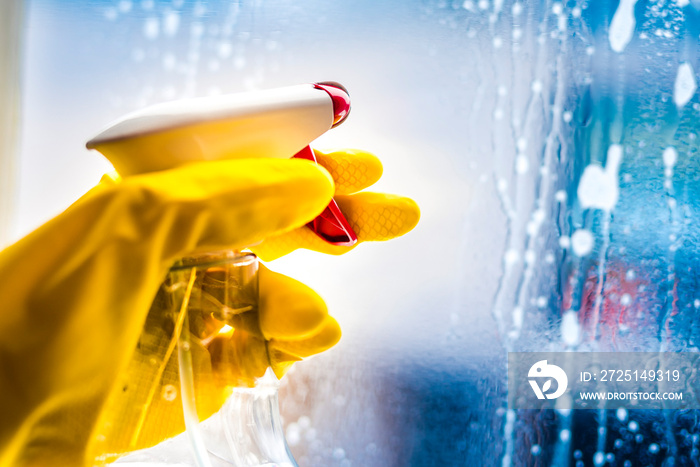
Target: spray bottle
x=206 y=296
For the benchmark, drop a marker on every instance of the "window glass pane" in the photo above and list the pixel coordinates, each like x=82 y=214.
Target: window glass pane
x=552 y=147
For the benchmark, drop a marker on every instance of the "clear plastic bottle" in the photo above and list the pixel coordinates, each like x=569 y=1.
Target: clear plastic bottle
x=200 y=364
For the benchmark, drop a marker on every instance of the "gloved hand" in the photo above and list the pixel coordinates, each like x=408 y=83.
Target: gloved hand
x=76 y=292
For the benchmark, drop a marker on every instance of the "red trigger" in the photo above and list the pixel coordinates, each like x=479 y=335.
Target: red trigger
x=331 y=225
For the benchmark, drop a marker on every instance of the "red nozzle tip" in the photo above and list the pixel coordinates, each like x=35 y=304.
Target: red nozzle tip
x=339 y=97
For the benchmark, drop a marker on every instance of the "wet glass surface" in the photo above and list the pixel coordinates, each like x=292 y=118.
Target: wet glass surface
x=552 y=147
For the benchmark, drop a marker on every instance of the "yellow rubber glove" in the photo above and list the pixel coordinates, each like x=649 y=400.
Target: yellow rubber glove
x=373 y=216
x=77 y=291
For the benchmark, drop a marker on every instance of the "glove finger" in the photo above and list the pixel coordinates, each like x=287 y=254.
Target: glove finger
x=373 y=217
x=325 y=337
x=287 y=309
x=352 y=170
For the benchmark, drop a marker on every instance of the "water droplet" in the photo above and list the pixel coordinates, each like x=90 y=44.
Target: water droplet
x=530 y=257
x=570 y=328
x=536 y=86
x=197 y=29
x=653 y=448
x=565 y=435
x=621 y=414
x=535 y=449
x=304 y=422
x=512 y=256
x=239 y=62
x=522 y=164
x=151 y=28
x=518 y=314
x=521 y=144
x=670 y=156
x=468 y=5
x=564 y=241
x=633 y=426
x=171 y=23
x=124 y=6
x=626 y=299
x=598 y=458
x=293 y=434
x=111 y=14
x=582 y=242
x=338 y=453
x=200 y=9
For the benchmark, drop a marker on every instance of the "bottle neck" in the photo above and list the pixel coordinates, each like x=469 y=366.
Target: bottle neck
x=237 y=257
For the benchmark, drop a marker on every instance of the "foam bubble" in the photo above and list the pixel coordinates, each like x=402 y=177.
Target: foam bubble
x=598 y=187
x=685 y=85
x=622 y=25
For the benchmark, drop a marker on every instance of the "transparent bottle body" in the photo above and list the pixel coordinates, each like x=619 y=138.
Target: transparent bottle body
x=196 y=391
